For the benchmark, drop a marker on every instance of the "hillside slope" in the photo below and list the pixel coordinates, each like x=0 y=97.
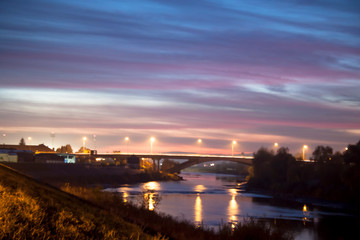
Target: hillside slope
x=32 y=210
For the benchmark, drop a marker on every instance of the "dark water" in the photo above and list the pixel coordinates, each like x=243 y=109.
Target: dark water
x=212 y=199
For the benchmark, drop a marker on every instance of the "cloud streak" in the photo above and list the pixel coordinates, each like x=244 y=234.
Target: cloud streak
x=232 y=69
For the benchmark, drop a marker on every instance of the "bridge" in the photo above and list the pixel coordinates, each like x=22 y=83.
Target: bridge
x=192 y=159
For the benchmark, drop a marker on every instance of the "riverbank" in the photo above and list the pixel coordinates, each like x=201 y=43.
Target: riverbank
x=33 y=210
x=87 y=175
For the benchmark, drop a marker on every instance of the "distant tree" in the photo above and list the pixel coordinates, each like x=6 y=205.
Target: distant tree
x=280 y=164
x=322 y=154
x=259 y=174
x=84 y=150
x=65 y=149
x=22 y=142
x=352 y=154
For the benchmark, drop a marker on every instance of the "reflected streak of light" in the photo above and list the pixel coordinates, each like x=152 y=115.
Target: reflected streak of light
x=151 y=201
x=198 y=209
x=233 y=209
x=306 y=214
x=125 y=196
x=199 y=188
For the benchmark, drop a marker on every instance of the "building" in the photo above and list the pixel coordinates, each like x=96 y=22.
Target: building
x=41 y=148
x=68 y=157
x=8 y=156
x=48 y=158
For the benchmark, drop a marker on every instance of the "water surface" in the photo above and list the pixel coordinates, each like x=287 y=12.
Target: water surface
x=214 y=199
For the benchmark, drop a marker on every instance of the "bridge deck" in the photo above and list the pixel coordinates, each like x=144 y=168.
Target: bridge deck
x=171 y=156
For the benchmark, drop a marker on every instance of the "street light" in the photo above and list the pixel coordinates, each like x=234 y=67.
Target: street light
x=4 y=136
x=276 y=145
x=304 y=148
x=152 y=139
x=232 y=147
x=84 y=140
x=199 y=141
x=29 y=139
x=126 y=142
x=94 y=139
x=52 y=135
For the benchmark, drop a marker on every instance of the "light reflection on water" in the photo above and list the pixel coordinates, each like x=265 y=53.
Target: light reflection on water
x=210 y=200
x=198 y=210
x=233 y=209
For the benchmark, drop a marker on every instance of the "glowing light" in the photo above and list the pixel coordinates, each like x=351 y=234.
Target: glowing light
x=84 y=140
x=276 y=144
x=125 y=196
x=199 y=188
x=232 y=147
x=151 y=201
x=304 y=148
x=199 y=140
x=233 y=209
x=152 y=140
x=152 y=186
x=127 y=143
x=198 y=210
x=304 y=208
x=306 y=214
x=233 y=191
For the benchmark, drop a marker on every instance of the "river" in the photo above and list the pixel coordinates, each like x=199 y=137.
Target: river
x=214 y=199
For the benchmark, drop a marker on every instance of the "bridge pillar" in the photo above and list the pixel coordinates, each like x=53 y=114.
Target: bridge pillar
x=154 y=164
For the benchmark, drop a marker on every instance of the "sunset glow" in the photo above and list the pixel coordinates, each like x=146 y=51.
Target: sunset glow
x=257 y=73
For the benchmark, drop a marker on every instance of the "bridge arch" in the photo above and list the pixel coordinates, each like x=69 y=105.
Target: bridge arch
x=195 y=161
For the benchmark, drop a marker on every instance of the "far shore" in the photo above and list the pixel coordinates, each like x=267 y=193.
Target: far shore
x=88 y=175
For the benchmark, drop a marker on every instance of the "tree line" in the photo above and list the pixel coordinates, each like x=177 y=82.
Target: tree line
x=331 y=176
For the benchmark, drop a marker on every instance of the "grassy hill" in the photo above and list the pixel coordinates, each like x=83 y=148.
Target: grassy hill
x=33 y=210
x=30 y=209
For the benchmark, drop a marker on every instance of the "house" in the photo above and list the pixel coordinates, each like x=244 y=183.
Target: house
x=8 y=156
x=68 y=157
x=41 y=148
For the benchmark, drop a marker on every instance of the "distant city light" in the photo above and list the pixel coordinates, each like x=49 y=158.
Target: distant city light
x=232 y=147
x=152 y=140
x=304 y=148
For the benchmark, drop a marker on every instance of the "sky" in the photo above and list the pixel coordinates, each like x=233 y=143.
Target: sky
x=257 y=72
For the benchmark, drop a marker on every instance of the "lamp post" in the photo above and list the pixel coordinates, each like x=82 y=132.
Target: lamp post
x=84 y=140
x=52 y=135
x=29 y=139
x=232 y=147
x=199 y=141
x=126 y=142
x=152 y=140
x=276 y=145
x=94 y=139
x=304 y=148
x=4 y=136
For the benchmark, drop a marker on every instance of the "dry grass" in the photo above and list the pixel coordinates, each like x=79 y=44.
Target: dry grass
x=31 y=210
